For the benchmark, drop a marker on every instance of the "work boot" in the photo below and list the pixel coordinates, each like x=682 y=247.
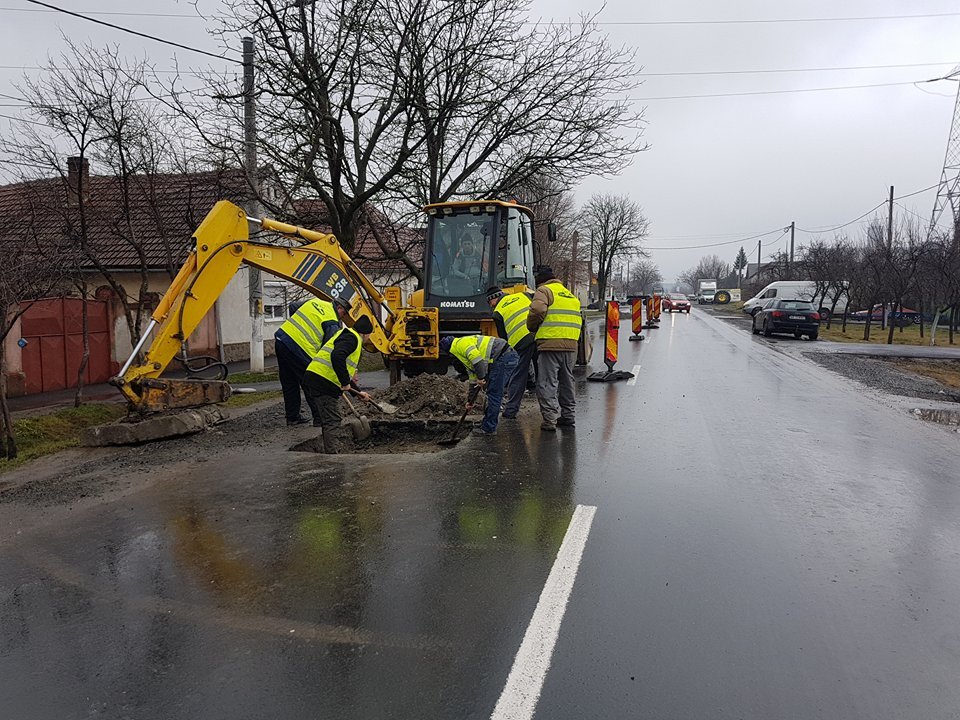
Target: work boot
x=548 y=426
x=481 y=431
x=331 y=444
x=298 y=421
x=566 y=422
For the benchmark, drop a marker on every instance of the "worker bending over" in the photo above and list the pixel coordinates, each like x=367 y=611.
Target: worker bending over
x=510 y=316
x=333 y=372
x=556 y=321
x=297 y=342
x=489 y=362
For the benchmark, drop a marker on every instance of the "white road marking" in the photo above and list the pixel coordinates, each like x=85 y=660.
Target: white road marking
x=636 y=374
x=518 y=701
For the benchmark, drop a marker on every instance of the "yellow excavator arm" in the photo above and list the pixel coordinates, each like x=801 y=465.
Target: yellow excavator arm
x=319 y=265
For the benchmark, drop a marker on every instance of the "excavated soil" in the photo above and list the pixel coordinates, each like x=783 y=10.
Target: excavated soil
x=425 y=396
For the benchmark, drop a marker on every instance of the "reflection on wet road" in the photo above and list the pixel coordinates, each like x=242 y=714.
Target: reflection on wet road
x=767 y=543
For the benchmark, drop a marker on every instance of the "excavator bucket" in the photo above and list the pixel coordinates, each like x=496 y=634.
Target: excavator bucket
x=168 y=394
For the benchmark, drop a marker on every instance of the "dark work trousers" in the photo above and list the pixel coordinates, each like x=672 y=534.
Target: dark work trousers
x=291 y=367
x=517 y=384
x=497 y=375
x=328 y=417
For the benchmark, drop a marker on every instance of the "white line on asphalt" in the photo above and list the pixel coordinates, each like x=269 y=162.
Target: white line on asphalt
x=636 y=374
x=518 y=701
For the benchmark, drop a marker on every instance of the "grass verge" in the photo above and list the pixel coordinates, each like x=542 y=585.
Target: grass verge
x=946 y=372
x=909 y=335
x=253 y=377
x=245 y=399
x=46 y=434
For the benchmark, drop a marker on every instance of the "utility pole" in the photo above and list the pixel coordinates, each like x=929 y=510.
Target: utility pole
x=253 y=210
x=759 y=245
x=890 y=223
x=793 y=227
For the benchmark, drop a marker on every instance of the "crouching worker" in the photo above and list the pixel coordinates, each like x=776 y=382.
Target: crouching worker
x=489 y=362
x=333 y=372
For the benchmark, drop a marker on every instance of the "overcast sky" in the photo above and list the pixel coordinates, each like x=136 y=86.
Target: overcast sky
x=718 y=169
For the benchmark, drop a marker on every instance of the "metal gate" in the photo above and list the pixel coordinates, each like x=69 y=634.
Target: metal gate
x=53 y=331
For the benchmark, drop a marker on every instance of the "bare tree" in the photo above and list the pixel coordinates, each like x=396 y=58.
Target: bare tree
x=617 y=228
x=710 y=267
x=644 y=277
x=31 y=269
x=398 y=103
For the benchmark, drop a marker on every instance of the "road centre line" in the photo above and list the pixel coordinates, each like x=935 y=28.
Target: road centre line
x=518 y=701
x=636 y=374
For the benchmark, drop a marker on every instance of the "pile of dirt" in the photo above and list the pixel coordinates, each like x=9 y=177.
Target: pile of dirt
x=424 y=396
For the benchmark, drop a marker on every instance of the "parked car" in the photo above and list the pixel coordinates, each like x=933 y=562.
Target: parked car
x=904 y=316
x=796 y=317
x=675 y=302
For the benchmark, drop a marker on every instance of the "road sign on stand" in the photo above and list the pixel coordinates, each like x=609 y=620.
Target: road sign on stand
x=611 y=347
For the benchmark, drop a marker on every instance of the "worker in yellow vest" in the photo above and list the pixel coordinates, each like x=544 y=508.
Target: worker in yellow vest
x=510 y=316
x=331 y=373
x=297 y=341
x=489 y=361
x=555 y=320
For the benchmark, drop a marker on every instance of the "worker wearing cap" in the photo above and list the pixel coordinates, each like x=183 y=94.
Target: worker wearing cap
x=556 y=321
x=489 y=362
x=331 y=373
x=297 y=341
x=510 y=316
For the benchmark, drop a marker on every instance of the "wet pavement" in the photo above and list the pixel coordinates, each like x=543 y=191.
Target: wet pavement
x=769 y=542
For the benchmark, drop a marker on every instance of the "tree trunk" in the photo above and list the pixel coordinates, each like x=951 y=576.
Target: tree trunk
x=892 y=323
x=843 y=327
x=921 y=317
x=85 y=358
x=10 y=440
x=883 y=315
x=953 y=321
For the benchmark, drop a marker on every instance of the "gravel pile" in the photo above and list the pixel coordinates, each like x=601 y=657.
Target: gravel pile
x=884 y=376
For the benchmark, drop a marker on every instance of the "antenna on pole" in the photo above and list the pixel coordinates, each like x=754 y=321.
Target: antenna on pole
x=948 y=194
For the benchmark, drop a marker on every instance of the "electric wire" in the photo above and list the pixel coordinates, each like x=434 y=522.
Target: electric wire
x=776 y=92
x=757 y=21
x=107 y=13
x=133 y=32
x=792 y=70
x=720 y=244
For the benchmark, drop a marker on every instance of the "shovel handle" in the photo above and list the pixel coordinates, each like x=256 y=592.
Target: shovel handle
x=371 y=401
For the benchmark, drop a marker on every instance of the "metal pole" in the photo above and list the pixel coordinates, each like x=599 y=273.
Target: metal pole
x=573 y=263
x=890 y=222
x=793 y=227
x=759 y=245
x=250 y=161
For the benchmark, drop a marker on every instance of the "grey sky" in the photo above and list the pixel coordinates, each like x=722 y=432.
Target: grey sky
x=718 y=168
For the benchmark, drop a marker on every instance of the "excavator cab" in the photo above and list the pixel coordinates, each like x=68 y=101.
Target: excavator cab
x=471 y=246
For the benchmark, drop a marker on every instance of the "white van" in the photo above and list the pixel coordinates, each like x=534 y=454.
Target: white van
x=794 y=290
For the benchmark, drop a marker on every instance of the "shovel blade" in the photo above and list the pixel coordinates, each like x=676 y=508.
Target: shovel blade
x=359 y=427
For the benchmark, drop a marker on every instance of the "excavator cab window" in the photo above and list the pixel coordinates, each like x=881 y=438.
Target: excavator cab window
x=460 y=249
x=515 y=250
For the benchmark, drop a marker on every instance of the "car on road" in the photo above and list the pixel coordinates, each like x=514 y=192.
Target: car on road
x=794 y=317
x=676 y=302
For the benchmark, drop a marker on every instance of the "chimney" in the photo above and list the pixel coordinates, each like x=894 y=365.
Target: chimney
x=78 y=175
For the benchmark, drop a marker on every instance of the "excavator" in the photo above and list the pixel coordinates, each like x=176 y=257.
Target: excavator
x=469 y=247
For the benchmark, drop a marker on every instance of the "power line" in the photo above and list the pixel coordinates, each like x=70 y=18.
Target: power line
x=132 y=32
x=766 y=21
x=792 y=70
x=51 y=68
x=720 y=244
x=772 y=92
x=103 y=13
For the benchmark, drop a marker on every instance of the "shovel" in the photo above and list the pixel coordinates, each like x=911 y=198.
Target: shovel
x=453 y=439
x=384 y=407
x=359 y=425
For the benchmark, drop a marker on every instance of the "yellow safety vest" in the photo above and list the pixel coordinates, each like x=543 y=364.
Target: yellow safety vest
x=322 y=363
x=513 y=309
x=305 y=326
x=472 y=348
x=563 y=319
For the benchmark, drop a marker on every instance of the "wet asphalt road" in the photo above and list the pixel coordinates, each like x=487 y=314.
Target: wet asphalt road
x=769 y=542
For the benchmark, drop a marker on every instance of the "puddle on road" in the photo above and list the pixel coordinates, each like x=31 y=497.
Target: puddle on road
x=389 y=437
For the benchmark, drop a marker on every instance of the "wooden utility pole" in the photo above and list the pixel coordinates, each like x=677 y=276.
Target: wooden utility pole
x=253 y=210
x=574 y=240
x=759 y=245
